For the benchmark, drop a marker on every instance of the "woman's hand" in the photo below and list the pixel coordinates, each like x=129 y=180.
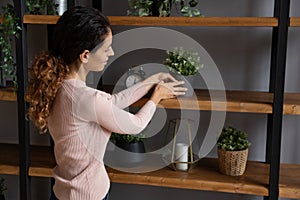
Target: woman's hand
x=167 y=90
x=157 y=78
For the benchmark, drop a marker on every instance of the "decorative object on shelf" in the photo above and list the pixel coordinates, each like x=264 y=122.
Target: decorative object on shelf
x=3 y=188
x=232 y=151
x=41 y=7
x=62 y=6
x=162 y=8
x=183 y=140
x=134 y=75
x=129 y=143
x=9 y=30
x=184 y=64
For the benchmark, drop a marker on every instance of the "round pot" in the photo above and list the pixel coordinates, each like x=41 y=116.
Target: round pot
x=133 y=154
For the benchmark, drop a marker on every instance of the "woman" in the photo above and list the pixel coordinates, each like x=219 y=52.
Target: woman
x=80 y=119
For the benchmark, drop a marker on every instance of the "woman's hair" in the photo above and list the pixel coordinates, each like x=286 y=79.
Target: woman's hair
x=78 y=29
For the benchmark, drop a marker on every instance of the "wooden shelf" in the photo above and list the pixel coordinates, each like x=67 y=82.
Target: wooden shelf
x=204 y=176
x=8 y=95
x=168 y=21
x=41 y=158
x=294 y=21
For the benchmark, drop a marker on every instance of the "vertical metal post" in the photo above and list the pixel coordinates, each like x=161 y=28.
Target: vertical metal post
x=23 y=124
x=277 y=79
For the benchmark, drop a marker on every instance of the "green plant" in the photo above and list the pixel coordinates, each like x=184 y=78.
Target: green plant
x=38 y=7
x=184 y=62
x=162 y=8
x=3 y=187
x=126 y=138
x=9 y=29
x=232 y=139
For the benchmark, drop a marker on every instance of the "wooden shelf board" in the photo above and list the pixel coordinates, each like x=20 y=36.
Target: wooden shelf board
x=168 y=21
x=294 y=21
x=289 y=183
x=204 y=176
x=237 y=101
x=7 y=95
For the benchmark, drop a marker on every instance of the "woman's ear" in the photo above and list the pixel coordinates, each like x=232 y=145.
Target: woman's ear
x=84 y=56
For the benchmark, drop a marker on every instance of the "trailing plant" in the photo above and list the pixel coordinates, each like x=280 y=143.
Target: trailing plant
x=39 y=7
x=126 y=138
x=184 y=62
x=3 y=187
x=232 y=139
x=162 y=8
x=9 y=29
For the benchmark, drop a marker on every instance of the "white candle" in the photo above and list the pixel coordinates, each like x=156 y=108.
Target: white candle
x=181 y=155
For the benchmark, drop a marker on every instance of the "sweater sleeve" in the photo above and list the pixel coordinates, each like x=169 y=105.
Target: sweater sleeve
x=128 y=96
x=114 y=119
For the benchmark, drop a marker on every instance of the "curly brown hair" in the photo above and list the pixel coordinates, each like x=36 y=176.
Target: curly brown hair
x=46 y=76
x=78 y=29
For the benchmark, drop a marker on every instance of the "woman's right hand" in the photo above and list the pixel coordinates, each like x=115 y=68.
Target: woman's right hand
x=167 y=90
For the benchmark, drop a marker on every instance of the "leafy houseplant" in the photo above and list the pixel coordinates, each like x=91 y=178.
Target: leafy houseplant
x=162 y=8
x=232 y=151
x=184 y=62
x=9 y=29
x=2 y=188
x=39 y=7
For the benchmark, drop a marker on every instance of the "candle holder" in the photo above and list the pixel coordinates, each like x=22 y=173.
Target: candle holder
x=181 y=154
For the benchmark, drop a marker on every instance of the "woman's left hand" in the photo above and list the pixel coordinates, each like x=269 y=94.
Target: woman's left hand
x=156 y=78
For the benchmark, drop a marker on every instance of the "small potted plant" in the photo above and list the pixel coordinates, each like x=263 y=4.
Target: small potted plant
x=130 y=143
x=232 y=151
x=183 y=64
x=3 y=188
x=162 y=8
x=9 y=30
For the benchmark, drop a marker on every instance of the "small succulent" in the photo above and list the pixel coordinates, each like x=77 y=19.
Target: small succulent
x=126 y=138
x=184 y=62
x=232 y=139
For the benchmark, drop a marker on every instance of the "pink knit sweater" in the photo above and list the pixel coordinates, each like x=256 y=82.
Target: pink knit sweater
x=81 y=121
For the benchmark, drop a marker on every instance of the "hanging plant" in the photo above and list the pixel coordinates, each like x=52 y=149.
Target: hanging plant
x=162 y=8
x=40 y=7
x=9 y=29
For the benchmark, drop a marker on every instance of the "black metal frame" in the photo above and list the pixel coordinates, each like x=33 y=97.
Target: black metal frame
x=23 y=124
x=276 y=86
x=277 y=80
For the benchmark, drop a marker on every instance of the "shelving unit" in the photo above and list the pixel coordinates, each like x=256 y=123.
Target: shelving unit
x=29 y=161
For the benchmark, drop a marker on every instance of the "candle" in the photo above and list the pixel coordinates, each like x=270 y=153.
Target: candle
x=181 y=155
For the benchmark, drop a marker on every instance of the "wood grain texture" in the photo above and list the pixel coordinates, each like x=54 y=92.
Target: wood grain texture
x=168 y=21
x=295 y=21
x=8 y=95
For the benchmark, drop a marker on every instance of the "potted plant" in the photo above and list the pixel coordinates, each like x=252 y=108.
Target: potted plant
x=162 y=8
x=40 y=7
x=9 y=29
x=129 y=143
x=183 y=64
x=232 y=151
x=3 y=188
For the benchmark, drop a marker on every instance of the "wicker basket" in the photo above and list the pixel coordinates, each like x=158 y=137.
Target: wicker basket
x=232 y=163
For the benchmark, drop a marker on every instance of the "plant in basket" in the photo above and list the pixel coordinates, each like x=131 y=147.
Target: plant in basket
x=232 y=151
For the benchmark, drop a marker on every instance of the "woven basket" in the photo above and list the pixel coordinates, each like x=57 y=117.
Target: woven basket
x=232 y=163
